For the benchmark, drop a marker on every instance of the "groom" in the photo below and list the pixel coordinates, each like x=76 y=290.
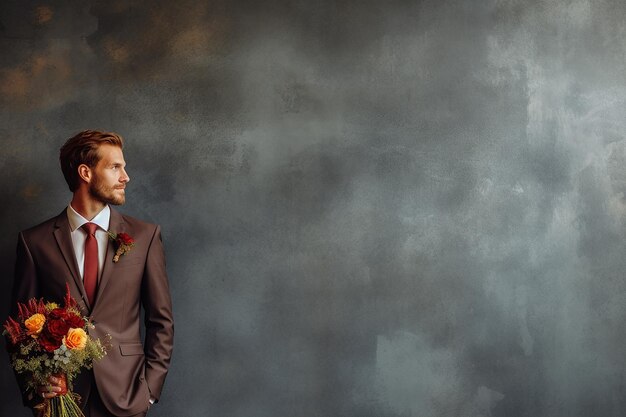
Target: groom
x=75 y=248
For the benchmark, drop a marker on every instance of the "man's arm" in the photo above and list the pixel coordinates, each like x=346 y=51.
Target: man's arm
x=25 y=283
x=159 y=321
x=25 y=287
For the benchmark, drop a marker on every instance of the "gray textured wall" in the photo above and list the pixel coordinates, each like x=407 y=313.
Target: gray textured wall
x=370 y=209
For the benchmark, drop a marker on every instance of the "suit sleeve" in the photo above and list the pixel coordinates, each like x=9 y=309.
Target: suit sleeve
x=159 y=320
x=25 y=283
x=25 y=287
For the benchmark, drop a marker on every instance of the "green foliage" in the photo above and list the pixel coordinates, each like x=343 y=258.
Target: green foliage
x=40 y=365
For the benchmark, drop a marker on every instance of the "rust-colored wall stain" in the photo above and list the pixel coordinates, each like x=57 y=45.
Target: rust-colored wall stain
x=144 y=42
x=14 y=84
x=45 y=78
x=198 y=39
x=43 y=14
x=116 y=52
x=31 y=191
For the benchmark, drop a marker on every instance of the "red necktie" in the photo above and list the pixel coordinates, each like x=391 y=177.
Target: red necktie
x=90 y=269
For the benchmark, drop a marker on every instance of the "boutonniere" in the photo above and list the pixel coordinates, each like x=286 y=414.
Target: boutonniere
x=123 y=243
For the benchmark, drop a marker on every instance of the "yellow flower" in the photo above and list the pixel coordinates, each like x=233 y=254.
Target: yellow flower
x=51 y=306
x=75 y=339
x=34 y=324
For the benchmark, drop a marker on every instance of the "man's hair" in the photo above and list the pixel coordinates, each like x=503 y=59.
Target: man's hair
x=82 y=148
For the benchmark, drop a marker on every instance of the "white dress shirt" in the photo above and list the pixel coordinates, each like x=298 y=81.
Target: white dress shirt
x=79 y=236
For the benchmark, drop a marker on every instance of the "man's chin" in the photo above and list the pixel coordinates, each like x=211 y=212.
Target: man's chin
x=117 y=201
x=114 y=201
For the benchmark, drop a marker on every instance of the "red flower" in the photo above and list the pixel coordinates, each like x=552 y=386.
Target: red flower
x=57 y=327
x=69 y=300
x=33 y=306
x=59 y=313
x=75 y=321
x=49 y=342
x=15 y=332
x=125 y=238
x=123 y=243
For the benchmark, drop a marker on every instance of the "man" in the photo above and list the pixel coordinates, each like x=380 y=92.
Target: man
x=75 y=248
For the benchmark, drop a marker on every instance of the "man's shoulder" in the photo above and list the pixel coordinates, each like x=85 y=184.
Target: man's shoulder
x=135 y=223
x=139 y=230
x=44 y=226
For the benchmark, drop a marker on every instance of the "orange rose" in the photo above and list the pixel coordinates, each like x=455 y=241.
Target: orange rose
x=34 y=324
x=75 y=339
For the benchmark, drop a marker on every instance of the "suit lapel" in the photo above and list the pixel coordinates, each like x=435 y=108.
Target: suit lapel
x=64 y=241
x=116 y=225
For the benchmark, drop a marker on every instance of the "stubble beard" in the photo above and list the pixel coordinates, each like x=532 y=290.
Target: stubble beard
x=106 y=194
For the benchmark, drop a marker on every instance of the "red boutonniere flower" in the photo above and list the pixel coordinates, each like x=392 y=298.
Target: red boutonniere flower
x=123 y=243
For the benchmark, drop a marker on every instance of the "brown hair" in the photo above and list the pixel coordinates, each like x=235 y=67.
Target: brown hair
x=82 y=148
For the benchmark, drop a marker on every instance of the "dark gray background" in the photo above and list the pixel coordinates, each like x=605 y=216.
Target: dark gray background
x=370 y=208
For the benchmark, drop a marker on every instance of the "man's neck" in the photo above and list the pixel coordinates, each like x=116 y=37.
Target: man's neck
x=86 y=207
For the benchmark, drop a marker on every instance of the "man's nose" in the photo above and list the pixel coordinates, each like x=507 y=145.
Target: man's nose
x=125 y=177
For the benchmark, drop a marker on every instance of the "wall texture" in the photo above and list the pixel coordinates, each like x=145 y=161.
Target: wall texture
x=370 y=208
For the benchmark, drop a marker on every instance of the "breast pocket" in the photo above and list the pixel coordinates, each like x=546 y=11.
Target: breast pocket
x=130 y=262
x=131 y=349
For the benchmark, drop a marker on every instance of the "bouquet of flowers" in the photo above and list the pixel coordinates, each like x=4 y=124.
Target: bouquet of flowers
x=49 y=340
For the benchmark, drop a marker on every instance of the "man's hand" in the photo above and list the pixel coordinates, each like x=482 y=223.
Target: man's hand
x=57 y=385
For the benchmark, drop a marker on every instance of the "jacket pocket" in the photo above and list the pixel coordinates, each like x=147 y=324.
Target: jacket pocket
x=129 y=349
x=122 y=263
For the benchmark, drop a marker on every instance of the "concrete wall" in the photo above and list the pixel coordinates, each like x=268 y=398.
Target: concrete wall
x=370 y=208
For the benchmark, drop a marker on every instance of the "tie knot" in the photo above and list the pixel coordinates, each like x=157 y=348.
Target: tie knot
x=90 y=228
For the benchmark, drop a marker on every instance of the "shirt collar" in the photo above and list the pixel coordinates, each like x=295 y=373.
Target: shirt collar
x=102 y=219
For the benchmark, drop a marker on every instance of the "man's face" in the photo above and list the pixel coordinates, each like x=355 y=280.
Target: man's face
x=109 y=177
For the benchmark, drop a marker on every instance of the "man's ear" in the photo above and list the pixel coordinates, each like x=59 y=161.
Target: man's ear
x=84 y=172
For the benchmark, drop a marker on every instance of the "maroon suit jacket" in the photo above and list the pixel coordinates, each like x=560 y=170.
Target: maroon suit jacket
x=131 y=371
